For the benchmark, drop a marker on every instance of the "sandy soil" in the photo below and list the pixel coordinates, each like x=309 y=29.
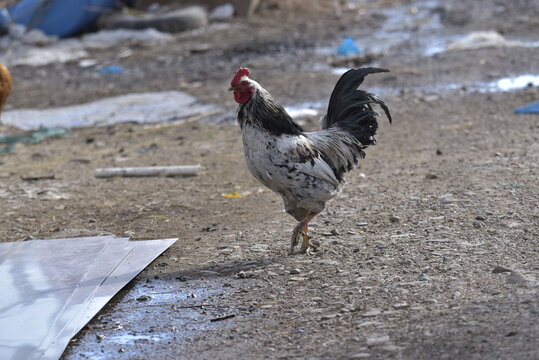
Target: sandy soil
x=408 y=253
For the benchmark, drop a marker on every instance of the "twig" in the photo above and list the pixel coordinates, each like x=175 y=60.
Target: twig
x=179 y=170
x=221 y=318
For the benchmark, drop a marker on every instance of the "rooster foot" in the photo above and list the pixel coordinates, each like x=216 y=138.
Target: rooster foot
x=294 y=240
x=307 y=248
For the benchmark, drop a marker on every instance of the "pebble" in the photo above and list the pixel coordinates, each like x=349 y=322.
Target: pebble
x=423 y=277
x=100 y=337
x=515 y=278
x=144 y=298
x=500 y=269
x=329 y=316
x=361 y=355
x=371 y=313
x=480 y=218
x=362 y=224
x=476 y=225
x=295 y=271
x=377 y=339
x=394 y=219
x=402 y=305
x=334 y=232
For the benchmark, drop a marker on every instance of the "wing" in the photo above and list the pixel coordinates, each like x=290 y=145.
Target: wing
x=301 y=155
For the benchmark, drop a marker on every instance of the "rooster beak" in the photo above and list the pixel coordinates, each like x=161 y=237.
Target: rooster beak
x=232 y=88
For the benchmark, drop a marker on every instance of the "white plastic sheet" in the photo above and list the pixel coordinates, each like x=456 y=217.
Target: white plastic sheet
x=52 y=288
x=155 y=107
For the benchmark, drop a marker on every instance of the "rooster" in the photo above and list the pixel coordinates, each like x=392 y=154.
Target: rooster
x=305 y=168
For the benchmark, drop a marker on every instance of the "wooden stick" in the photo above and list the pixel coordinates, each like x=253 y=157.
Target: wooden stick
x=179 y=170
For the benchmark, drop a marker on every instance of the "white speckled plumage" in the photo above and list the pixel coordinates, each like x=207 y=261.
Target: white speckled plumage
x=305 y=168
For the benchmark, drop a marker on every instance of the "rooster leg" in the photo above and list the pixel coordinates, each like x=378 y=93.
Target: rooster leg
x=294 y=240
x=306 y=246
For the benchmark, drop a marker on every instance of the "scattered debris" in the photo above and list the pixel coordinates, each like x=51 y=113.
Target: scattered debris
x=188 y=18
x=112 y=69
x=222 y=13
x=221 y=318
x=481 y=39
x=38 y=177
x=155 y=107
x=532 y=108
x=30 y=138
x=145 y=171
x=348 y=47
x=500 y=269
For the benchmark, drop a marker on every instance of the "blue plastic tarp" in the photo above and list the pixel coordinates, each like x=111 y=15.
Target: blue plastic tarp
x=60 y=18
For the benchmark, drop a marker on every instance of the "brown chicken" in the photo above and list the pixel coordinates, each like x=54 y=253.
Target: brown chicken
x=5 y=85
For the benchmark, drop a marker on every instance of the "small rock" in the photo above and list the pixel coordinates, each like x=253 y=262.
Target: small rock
x=480 y=218
x=377 y=339
x=394 y=219
x=222 y=13
x=182 y=278
x=334 y=232
x=193 y=296
x=329 y=316
x=423 y=277
x=243 y=275
x=402 y=305
x=144 y=298
x=100 y=337
x=362 y=224
x=431 y=176
x=371 y=313
x=361 y=355
x=294 y=271
x=439 y=152
x=515 y=278
x=476 y=225
x=500 y=269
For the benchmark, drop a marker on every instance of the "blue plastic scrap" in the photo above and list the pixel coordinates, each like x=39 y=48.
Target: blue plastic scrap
x=60 y=18
x=532 y=108
x=348 y=47
x=112 y=69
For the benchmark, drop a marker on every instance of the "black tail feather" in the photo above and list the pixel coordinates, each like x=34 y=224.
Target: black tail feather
x=351 y=109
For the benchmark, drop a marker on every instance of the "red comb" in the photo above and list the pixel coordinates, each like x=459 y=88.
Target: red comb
x=241 y=73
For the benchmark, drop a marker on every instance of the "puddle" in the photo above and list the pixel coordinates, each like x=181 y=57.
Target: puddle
x=155 y=107
x=153 y=312
x=127 y=338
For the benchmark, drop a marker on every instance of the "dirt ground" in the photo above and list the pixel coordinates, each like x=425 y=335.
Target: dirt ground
x=431 y=250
